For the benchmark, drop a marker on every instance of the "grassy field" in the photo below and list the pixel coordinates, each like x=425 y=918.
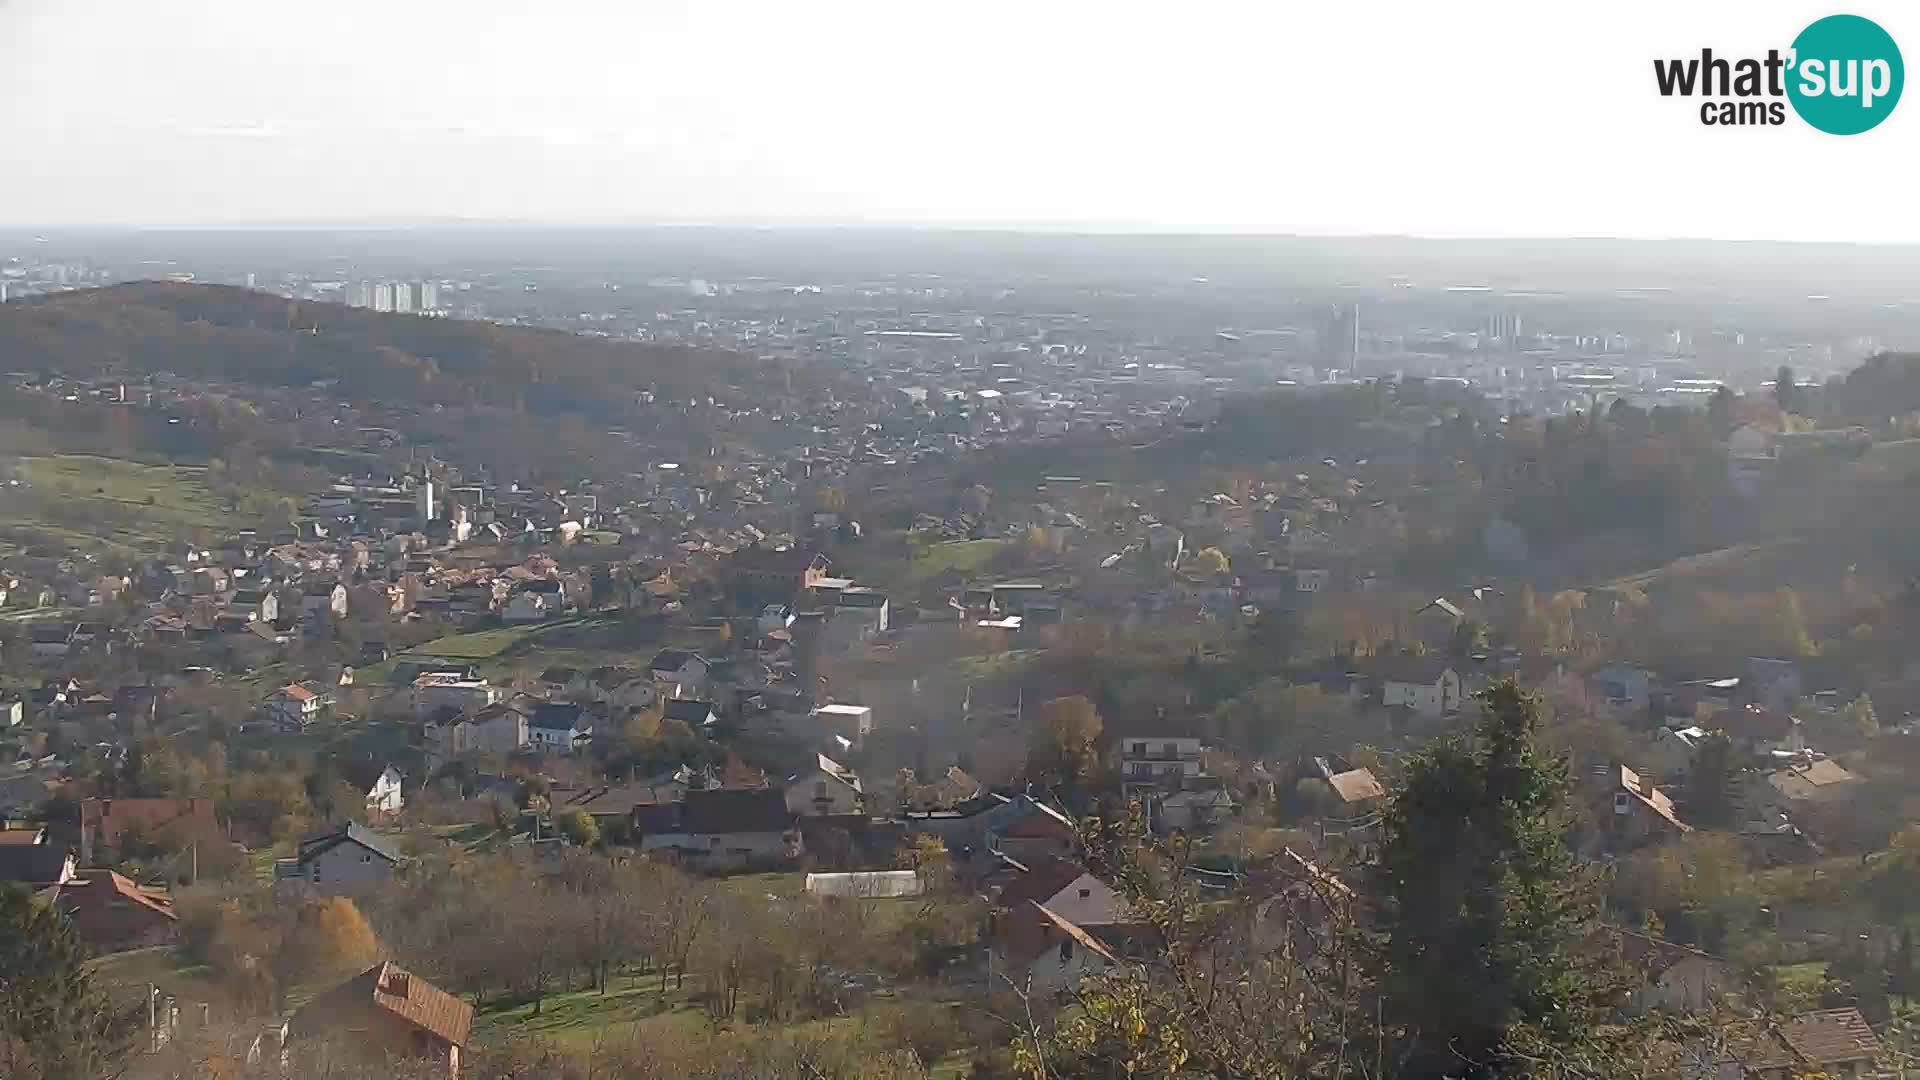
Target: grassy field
x=582 y=1016
x=908 y=576
x=94 y=501
x=479 y=645
x=585 y=642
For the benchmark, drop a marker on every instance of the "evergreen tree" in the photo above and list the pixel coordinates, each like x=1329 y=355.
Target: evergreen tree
x=1720 y=411
x=1786 y=392
x=1900 y=973
x=1709 y=800
x=54 y=1023
x=1482 y=907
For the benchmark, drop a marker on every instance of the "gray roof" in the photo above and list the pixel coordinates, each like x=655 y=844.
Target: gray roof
x=351 y=833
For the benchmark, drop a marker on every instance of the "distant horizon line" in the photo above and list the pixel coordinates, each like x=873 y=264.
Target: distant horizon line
x=1033 y=228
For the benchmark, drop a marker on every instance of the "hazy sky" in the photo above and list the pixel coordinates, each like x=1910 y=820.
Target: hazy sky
x=1476 y=119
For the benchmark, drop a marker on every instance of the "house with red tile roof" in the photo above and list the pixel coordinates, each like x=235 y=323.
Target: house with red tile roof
x=103 y=822
x=113 y=914
x=387 y=1012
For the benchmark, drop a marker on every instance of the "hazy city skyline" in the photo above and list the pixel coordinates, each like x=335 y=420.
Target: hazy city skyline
x=1372 y=118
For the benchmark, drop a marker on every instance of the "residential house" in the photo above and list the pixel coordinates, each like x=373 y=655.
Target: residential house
x=528 y=605
x=435 y=691
x=254 y=605
x=773 y=617
x=1029 y=831
x=1819 y=782
x=620 y=689
x=773 y=573
x=1193 y=809
x=326 y=599
x=1041 y=901
x=1641 y=811
x=104 y=823
x=1350 y=802
x=859 y=616
x=500 y=729
x=36 y=864
x=1050 y=955
x=1674 y=750
x=1676 y=978
x=560 y=682
x=470 y=601
x=559 y=727
x=112 y=914
x=140 y=706
x=1159 y=762
x=1772 y=683
x=1064 y=886
x=1436 y=623
x=380 y=783
x=1622 y=687
x=611 y=807
x=828 y=788
x=293 y=707
x=447 y=737
x=723 y=828
x=1700 y=700
x=698 y=715
x=1834 y=1043
x=680 y=673
x=953 y=788
x=385 y=597
x=1758 y=730
x=342 y=860
x=50 y=640
x=387 y=1013
x=1426 y=685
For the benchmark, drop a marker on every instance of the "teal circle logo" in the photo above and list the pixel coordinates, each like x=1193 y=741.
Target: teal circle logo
x=1846 y=75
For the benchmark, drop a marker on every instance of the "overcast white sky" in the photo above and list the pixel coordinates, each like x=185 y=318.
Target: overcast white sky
x=1466 y=119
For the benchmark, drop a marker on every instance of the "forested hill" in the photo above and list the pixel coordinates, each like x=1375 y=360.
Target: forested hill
x=213 y=331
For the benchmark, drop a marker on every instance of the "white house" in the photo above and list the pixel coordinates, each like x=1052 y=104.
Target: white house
x=1426 y=685
x=381 y=786
x=294 y=706
x=826 y=789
